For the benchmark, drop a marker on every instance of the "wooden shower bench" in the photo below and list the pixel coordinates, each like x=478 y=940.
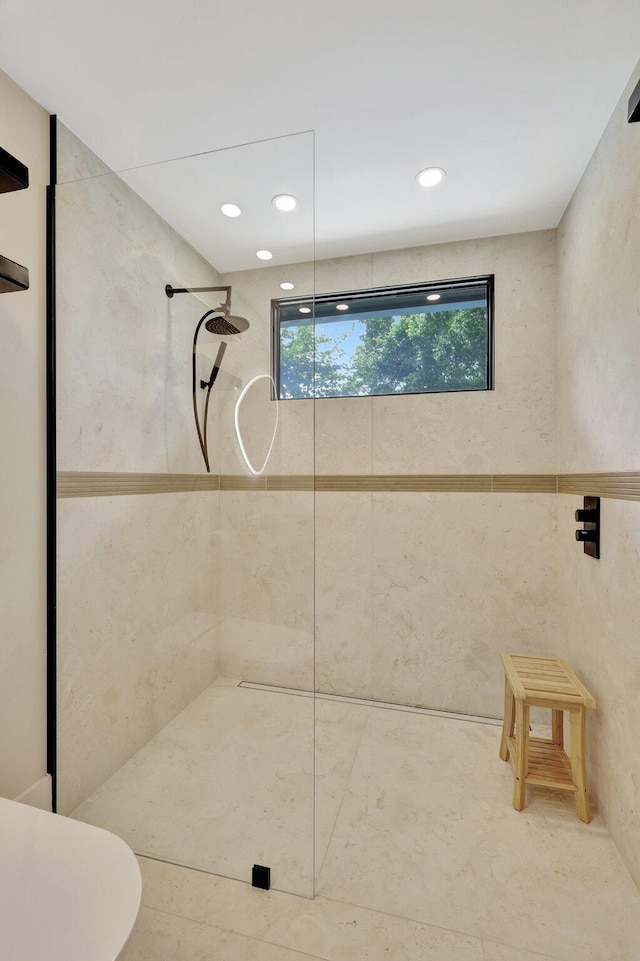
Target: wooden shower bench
x=545 y=682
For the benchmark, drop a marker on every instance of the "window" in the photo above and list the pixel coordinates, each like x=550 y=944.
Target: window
x=419 y=338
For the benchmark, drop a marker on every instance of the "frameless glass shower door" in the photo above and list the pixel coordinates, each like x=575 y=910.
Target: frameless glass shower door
x=185 y=509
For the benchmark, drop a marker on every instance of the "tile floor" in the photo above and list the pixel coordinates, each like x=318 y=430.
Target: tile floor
x=419 y=852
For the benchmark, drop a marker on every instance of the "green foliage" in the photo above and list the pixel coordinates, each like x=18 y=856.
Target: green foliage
x=409 y=353
x=306 y=355
x=431 y=351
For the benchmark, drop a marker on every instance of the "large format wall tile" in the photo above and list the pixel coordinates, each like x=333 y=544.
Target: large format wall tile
x=266 y=588
x=343 y=435
x=599 y=613
x=458 y=578
x=599 y=430
x=344 y=599
x=450 y=589
x=136 y=626
x=508 y=430
x=512 y=428
x=137 y=584
x=123 y=348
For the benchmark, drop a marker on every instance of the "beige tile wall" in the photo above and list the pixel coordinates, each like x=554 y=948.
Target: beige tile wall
x=599 y=430
x=415 y=594
x=124 y=348
x=137 y=576
x=137 y=617
x=266 y=587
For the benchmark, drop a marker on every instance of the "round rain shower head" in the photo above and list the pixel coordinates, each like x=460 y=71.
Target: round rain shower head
x=227 y=325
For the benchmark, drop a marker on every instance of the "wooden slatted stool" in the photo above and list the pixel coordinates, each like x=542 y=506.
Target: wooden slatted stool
x=545 y=682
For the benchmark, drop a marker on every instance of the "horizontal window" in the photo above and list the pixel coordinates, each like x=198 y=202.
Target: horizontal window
x=419 y=338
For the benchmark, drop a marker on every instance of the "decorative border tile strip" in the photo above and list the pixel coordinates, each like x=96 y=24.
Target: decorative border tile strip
x=404 y=482
x=102 y=484
x=242 y=482
x=525 y=483
x=290 y=482
x=623 y=486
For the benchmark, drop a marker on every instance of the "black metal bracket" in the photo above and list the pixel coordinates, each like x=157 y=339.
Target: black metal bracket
x=589 y=516
x=634 y=106
x=261 y=877
x=13 y=176
x=12 y=276
x=170 y=291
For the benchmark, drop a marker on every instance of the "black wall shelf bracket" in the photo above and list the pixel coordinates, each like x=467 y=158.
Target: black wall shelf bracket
x=634 y=106
x=12 y=276
x=589 y=516
x=13 y=174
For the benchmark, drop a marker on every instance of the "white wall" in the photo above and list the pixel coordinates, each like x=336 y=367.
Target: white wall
x=24 y=132
x=599 y=430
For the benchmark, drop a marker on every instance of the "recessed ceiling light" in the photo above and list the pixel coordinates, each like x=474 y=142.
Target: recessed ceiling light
x=431 y=176
x=231 y=210
x=433 y=296
x=287 y=286
x=304 y=310
x=285 y=202
x=342 y=306
x=264 y=254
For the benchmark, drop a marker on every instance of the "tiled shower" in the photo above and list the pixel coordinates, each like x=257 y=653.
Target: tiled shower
x=392 y=547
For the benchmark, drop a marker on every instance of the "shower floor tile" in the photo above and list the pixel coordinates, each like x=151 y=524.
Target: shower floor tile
x=229 y=783
x=419 y=852
x=427 y=831
x=166 y=937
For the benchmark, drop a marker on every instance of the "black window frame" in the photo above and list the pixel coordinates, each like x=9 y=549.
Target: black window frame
x=353 y=296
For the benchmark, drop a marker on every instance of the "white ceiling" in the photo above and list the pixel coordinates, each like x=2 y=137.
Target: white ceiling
x=510 y=97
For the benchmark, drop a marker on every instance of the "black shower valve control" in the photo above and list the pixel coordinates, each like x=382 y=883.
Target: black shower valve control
x=589 y=536
x=586 y=536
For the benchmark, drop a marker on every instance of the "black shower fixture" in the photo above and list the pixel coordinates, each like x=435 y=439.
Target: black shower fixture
x=226 y=325
x=217 y=320
x=589 y=515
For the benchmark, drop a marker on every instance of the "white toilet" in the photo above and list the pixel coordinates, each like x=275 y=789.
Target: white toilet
x=68 y=891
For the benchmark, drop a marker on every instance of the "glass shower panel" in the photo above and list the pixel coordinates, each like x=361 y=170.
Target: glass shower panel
x=185 y=510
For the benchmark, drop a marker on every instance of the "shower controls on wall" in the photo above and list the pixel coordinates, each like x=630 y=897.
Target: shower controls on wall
x=13 y=176
x=589 y=515
x=261 y=877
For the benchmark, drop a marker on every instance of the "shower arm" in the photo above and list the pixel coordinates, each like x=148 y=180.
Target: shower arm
x=225 y=307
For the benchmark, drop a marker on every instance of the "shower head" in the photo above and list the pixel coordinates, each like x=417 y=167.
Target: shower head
x=227 y=325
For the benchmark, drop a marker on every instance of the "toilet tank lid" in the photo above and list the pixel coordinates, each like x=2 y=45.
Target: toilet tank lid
x=69 y=891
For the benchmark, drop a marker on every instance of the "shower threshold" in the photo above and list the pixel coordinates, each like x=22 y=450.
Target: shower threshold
x=365 y=702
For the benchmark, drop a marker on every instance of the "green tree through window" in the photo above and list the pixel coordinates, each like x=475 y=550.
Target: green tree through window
x=418 y=349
